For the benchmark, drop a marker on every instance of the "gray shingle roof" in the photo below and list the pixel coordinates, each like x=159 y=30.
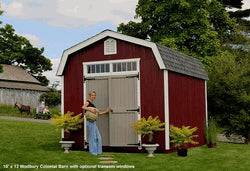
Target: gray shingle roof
x=16 y=77
x=181 y=63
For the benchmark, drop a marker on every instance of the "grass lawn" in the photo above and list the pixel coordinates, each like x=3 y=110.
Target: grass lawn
x=30 y=143
x=10 y=110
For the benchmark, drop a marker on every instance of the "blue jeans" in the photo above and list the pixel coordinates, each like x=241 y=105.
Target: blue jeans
x=95 y=140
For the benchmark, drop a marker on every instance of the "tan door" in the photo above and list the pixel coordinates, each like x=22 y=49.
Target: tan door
x=123 y=102
x=120 y=94
x=100 y=85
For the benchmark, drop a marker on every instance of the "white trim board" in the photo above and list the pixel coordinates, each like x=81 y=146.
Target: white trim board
x=166 y=108
x=111 y=73
x=137 y=60
x=206 y=103
x=62 y=103
x=109 y=33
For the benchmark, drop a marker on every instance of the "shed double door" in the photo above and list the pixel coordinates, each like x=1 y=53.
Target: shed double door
x=119 y=94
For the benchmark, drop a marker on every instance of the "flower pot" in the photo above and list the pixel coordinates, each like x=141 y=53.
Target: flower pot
x=182 y=152
x=150 y=148
x=66 y=145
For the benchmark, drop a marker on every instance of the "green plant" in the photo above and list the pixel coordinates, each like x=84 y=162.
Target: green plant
x=18 y=138
x=148 y=126
x=67 y=121
x=180 y=137
x=211 y=132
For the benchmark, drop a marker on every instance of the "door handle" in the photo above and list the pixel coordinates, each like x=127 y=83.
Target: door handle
x=133 y=110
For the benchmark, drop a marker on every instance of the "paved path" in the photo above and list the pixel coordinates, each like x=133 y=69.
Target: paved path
x=25 y=119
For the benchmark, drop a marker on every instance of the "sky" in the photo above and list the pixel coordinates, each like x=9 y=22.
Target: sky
x=59 y=24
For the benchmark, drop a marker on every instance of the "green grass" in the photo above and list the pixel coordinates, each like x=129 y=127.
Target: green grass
x=33 y=143
x=10 y=110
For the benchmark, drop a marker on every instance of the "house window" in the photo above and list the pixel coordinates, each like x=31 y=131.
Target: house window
x=110 y=47
x=97 y=68
x=112 y=67
x=124 y=66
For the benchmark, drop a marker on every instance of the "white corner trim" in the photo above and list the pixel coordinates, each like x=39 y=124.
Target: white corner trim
x=206 y=103
x=62 y=102
x=108 y=33
x=84 y=120
x=139 y=102
x=166 y=107
x=158 y=56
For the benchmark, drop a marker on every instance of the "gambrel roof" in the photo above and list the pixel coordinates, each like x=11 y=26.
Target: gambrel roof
x=17 y=78
x=166 y=58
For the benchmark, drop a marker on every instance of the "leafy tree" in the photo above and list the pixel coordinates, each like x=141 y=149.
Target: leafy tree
x=17 y=50
x=229 y=92
x=53 y=97
x=194 y=27
x=241 y=36
x=1 y=68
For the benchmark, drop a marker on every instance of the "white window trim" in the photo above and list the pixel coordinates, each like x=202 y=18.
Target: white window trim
x=111 y=73
x=85 y=74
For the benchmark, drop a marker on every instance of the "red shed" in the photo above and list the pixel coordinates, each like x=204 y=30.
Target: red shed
x=135 y=78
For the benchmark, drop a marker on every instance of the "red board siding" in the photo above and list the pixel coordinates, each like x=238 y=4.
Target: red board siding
x=151 y=80
x=187 y=102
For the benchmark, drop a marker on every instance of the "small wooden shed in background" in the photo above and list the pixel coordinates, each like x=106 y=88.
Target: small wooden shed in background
x=135 y=78
x=16 y=85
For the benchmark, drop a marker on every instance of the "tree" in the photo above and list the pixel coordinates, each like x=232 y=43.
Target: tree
x=17 y=50
x=53 y=97
x=194 y=27
x=241 y=37
x=229 y=92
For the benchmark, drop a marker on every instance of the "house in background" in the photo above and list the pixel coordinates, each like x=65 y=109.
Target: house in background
x=135 y=78
x=16 y=85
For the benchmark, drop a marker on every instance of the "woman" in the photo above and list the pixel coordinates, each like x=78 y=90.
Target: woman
x=95 y=141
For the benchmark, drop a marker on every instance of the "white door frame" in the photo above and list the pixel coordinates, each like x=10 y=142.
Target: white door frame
x=110 y=74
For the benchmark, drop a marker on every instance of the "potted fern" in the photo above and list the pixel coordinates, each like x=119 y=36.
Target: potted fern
x=68 y=123
x=180 y=137
x=147 y=127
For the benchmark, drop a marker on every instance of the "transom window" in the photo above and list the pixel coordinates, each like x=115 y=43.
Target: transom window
x=124 y=66
x=114 y=67
x=98 y=68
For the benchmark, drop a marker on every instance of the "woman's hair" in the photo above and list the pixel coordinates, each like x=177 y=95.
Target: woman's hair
x=91 y=92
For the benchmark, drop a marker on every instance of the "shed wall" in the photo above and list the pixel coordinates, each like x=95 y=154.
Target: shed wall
x=187 y=104
x=151 y=81
x=25 y=97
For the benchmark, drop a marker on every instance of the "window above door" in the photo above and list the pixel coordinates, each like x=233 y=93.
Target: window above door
x=111 y=67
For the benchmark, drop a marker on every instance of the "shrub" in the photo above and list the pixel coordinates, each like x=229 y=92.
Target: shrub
x=148 y=126
x=180 y=137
